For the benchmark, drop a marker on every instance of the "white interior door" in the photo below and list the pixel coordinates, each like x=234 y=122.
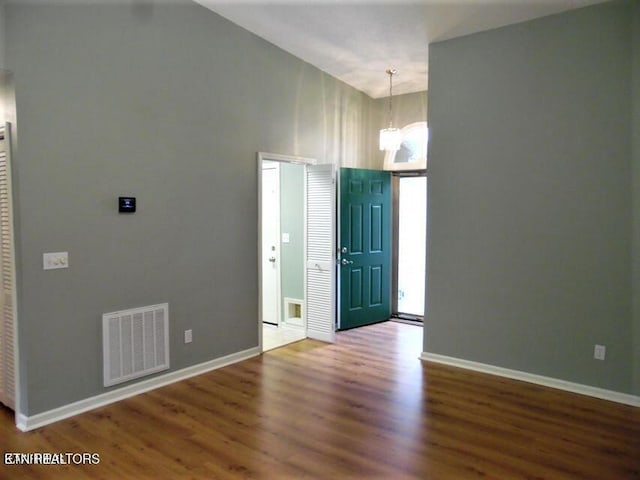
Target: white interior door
x=7 y=283
x=320 y=282
x=271 y=243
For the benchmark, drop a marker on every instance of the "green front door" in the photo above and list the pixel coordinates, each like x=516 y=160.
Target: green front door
x=365 y=250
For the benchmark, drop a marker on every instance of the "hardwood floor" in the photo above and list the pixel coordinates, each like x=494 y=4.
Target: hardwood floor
x=364 y=408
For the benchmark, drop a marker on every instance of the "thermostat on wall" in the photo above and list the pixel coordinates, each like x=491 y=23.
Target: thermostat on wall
x=126 y=204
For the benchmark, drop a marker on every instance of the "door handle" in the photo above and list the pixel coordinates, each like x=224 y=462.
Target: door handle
x=346 y=262
x=272 y=259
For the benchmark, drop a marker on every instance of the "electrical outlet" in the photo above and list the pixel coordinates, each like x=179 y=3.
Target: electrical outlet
x=599 y=352
x=188 y=336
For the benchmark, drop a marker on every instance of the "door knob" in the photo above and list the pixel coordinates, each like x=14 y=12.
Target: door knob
x=272 y=259
x=346 y=262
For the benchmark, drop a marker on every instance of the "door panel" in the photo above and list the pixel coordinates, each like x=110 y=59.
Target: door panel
x=377 y=241
x=321 y=259
x=7 y=281
x=356 y=226
x=365 y=243
x=270 y=244
x=356 y=288
x=375 y=284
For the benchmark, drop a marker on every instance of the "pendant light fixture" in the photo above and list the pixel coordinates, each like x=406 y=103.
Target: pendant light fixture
x=390 y=137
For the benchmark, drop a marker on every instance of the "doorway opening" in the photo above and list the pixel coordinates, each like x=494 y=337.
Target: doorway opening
x=410 y=246
x=408 y=277
x=296 y=258
x=282 y=253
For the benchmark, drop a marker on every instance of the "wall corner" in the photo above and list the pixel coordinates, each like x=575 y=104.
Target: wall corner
x=635 y=193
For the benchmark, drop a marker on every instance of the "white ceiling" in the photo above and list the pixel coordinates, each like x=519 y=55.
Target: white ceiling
x=357 y=40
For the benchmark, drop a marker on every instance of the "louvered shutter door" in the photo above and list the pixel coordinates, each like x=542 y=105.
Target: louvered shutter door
x=321 y=277
x=7 y=283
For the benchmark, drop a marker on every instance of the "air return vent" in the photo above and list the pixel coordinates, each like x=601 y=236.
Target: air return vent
x=135 y=343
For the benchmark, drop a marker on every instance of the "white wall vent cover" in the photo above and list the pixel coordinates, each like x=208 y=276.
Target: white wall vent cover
x=135 y=343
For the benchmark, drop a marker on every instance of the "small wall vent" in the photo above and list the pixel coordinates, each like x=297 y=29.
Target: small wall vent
x=135 y=343
x=293 y=312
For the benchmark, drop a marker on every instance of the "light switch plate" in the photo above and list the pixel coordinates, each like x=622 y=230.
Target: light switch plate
x=51 y=261
x=285 y=238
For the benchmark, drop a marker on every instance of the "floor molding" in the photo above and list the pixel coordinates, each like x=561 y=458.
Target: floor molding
x=26 y=423
x=601 y=393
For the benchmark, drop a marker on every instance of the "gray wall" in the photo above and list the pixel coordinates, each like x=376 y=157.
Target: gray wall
x=636 y=193
x=407 y=108
x=6 y=98
x=292 y=222
x=530 y=197
x=169 y=103
x=2 y=33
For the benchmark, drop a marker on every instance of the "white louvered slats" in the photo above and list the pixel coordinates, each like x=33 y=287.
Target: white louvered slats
x=7 y=281
x=320 y=281
x=135 y=343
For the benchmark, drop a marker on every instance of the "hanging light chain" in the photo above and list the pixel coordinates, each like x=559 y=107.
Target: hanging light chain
x=390 y=137
x=391 y=72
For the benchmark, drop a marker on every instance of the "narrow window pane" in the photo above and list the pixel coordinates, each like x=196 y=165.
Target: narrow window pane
x=412 y=245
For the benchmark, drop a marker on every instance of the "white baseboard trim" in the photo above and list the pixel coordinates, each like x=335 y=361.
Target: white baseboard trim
x=26 y=423
x=618 y=397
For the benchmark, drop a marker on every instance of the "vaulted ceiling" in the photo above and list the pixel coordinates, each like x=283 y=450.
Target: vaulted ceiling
x=357 y=40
